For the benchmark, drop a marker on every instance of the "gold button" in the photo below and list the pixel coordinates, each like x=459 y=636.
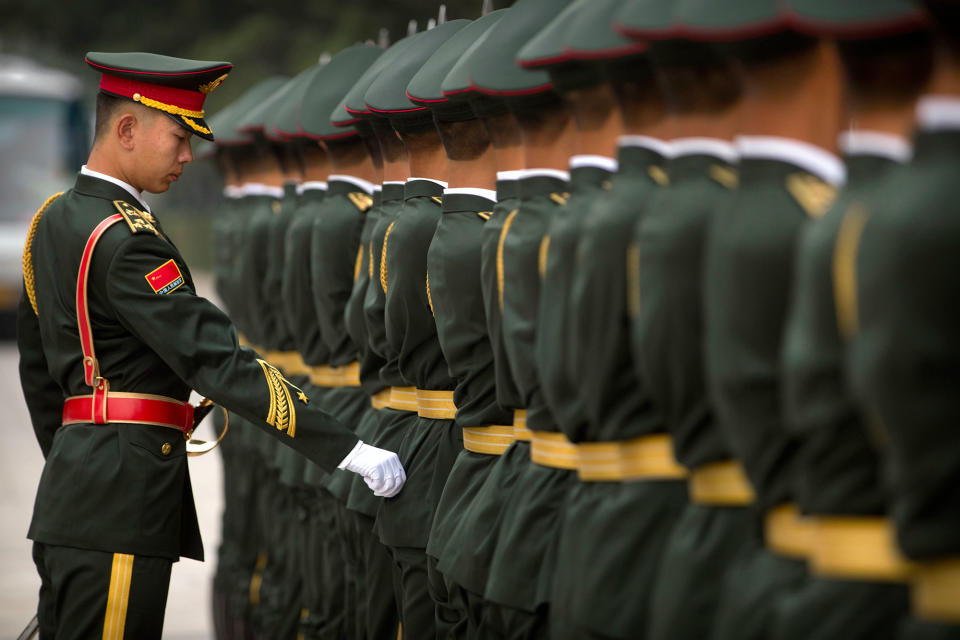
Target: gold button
x=166 y=448
x=136 y=97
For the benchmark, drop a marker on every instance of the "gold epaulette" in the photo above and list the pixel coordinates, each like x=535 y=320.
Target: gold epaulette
x=813 y=194
x=139 y=221
x=28 y=282
x=360 y=200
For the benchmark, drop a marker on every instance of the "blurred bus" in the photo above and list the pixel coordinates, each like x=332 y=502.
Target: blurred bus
x=44 y=131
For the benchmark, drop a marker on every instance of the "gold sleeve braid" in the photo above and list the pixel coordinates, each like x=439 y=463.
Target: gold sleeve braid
x=383 y=258
x=28 y=252
x=503 y=237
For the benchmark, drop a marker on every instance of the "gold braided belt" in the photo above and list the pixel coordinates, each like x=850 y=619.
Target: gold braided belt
x=436 y=404
x=553 y=450
x=857 y=548
x=644 y=458
x=347 y=375
x=491 y=440
x=788 y=533
x=936 y=591
x=520 y=431
x=720 y=484
x=289 y=362
x=381 y=399
x=403 y=399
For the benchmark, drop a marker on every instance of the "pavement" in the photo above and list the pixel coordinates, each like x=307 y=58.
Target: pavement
x=188 y=615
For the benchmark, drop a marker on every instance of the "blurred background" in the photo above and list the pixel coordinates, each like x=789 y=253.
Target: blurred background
x=46 y=123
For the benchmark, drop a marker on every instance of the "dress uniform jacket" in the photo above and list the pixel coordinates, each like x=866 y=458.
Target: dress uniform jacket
x=521 y=570
x=668 y=352
x=429 y=446
x=617 y=407
x=749 y=267
x=147 y=342
x=838 y=466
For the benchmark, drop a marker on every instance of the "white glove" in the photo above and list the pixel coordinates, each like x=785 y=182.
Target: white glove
x=381 y=469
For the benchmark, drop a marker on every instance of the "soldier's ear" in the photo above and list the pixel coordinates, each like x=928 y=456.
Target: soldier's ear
x=124 y=127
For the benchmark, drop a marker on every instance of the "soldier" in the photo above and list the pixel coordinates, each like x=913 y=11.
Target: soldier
x=134 y=299
x=788 y=173
x=895 y=273
x=430 y=443
x=886 y=55
x=456 y=301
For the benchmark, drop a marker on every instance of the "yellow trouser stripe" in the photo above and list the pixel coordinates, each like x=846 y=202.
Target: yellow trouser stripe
x=115 y=617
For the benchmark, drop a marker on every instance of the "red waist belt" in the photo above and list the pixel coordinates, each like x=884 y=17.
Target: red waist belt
x=131 y=408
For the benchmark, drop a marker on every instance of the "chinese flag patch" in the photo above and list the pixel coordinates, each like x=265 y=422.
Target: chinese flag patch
x=165 y=278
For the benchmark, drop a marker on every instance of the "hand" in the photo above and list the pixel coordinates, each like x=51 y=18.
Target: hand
x=381 y=470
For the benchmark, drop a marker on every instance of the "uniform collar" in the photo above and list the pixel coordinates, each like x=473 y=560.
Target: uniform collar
x=260 y=189
x=311 y=185
x=360 y=183
x=645 y=142
x=120 y=183
x=442 y=183
x=557 y=174
x=595 y=161
x=938 y=113
x=804 y=155
x=513 y=174
x=721 y=149
x=489 y=194
x=875 y=143
x=232 y=192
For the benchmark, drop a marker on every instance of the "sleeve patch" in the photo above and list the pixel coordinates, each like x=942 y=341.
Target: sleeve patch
x=138 y=221
x=165 y=278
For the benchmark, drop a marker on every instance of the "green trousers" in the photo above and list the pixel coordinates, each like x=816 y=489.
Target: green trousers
x=96 y=594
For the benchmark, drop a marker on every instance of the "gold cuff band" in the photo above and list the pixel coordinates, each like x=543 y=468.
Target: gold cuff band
x=721 y=484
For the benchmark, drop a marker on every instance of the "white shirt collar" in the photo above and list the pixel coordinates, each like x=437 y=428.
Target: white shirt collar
x=366 y=185
x=489 y=194
x=548 y=173
x=716 y=147
x=589 y=160
x=808 y=157
x=646 y=142
x=260 y=189
x=311 y=185
x=875 y=143
x=935 y=113
x=399 y=182
x=232 y=192
x=513 y=174
x=442 y=183
x=120 y=183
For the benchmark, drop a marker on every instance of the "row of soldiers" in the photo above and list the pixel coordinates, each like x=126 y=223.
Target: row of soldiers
x=654 y=301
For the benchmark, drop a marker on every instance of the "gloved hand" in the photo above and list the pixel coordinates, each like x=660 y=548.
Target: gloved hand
x=381 y=469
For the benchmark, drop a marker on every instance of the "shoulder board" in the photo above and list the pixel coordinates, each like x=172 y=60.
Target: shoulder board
x=812 y=194
x=724 y=176
x=437 y=199
x=658 y=175
x=360 y=200
x=485 y=214
x=139 y=221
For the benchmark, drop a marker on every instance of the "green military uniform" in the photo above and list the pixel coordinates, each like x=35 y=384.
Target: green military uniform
x=429 y=444
x=749 y=269
x=838 y=470
x=154 y=336
x=895 y=271
x=456 y=301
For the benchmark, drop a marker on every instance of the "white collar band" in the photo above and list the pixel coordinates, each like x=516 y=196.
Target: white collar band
x=311 y=185
x=936 y=113
x=442 y=183
x=366 y=185
x=232 y=192
x=117 y=181
x=489 y=194
x=808 y=157
x=260 y=189
x=513 y=174
x=875 y=143
x=715 y=147
x=547 y=173
x=589 y=160
x=646 y=142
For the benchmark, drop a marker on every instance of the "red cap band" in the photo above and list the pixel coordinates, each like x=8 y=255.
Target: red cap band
x=183 y=98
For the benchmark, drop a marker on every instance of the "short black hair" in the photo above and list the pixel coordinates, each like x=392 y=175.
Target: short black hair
x=464 y=140
x=891 y=70
x=107 y=105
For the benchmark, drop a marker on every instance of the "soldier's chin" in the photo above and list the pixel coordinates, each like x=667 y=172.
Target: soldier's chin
x=159 y=187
